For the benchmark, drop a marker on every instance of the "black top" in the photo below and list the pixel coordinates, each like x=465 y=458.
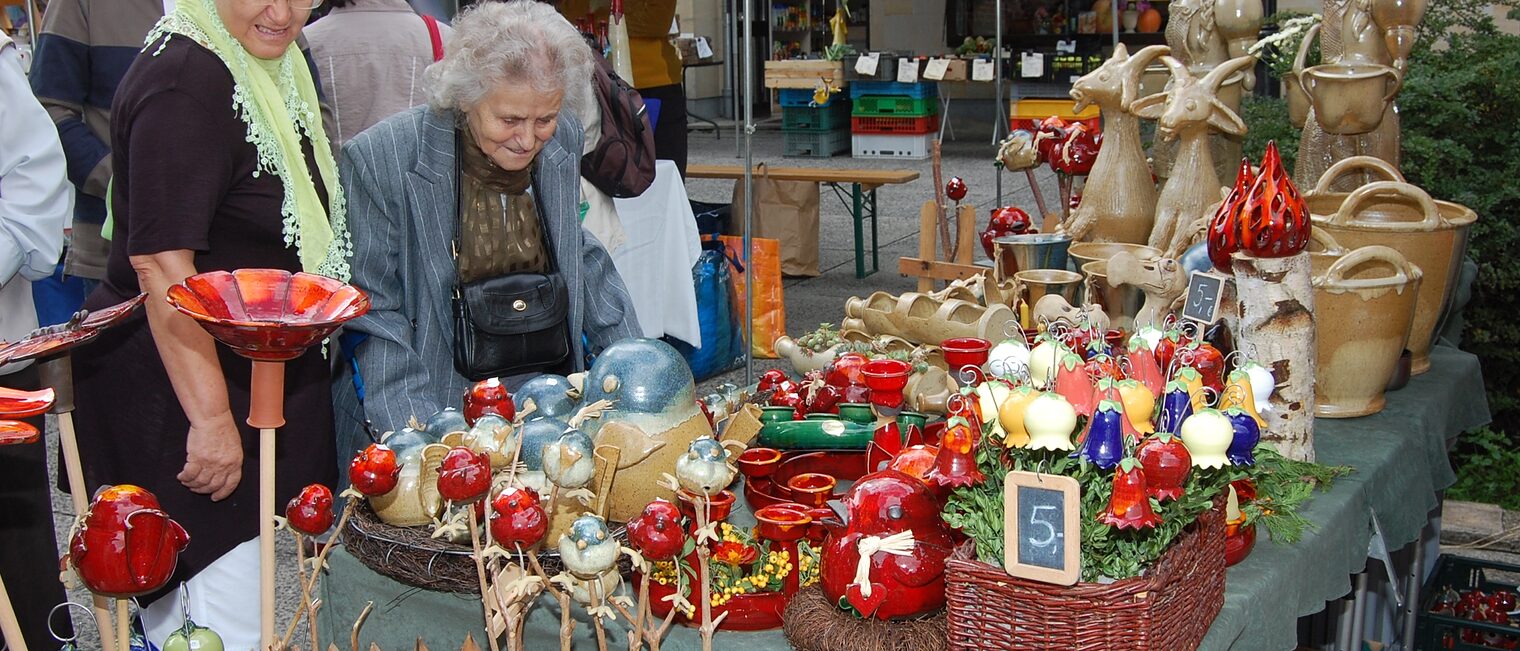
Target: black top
x=184 y=180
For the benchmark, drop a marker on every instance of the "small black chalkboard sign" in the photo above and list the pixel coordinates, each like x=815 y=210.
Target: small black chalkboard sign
x=1203 y=295
x=1042 y=536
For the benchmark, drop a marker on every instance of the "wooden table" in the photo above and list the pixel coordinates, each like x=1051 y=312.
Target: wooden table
x=863 y=182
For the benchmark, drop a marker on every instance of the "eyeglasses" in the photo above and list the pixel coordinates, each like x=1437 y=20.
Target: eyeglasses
x=299 y=5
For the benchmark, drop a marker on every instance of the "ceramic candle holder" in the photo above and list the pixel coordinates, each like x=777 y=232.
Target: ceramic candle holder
x=811 y=488
x=759 y=463
x=886 y=379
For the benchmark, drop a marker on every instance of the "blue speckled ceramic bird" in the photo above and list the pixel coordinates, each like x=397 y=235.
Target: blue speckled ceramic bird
x=704 y=469
x=568 y=461
x=588 y=549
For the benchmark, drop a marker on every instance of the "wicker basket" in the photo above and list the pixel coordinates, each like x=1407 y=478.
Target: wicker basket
x=409 y=555
x=1168 y=609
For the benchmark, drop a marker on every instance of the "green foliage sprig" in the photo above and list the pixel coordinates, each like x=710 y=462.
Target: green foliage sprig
x=1282 y=486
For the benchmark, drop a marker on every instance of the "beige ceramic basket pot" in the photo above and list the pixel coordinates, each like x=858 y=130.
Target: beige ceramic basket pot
x=1364 y=304
x=1350 y=98
x=1121 y=304
x=1432 y=234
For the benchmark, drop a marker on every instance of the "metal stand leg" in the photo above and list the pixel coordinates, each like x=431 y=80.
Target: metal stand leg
x=1412 y=591
x=944 y=119
x=860 y=253
x=875 y=247
x=1359 y=613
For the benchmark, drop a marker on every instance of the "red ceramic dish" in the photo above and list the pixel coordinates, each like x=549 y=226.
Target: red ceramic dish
x=268 y=315
x=59 y=339
x=15 y=432
x=755 y=611
x=15 y=403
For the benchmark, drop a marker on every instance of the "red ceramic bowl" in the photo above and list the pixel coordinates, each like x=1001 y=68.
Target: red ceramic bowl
x=782 y=522
x=59 y=339
x=886 y=379
x=15 y=432
x=268 y=314
x=15 y=403
x=720 y=505
x=961 y=352
x=811 y=488
x=759 y=463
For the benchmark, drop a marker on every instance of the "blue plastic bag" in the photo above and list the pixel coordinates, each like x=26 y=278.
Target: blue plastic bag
x=722 y=341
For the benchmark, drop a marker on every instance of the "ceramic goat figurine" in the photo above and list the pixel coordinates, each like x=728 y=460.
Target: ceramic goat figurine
x=1162 y=280
x=1119 y=202
x=1186 y=111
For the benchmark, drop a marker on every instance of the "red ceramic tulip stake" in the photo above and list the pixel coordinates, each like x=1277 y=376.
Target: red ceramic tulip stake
x=51 y=348
x=18 y=404
x=270 y=316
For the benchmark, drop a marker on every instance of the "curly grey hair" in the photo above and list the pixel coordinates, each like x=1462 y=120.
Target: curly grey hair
x=521 y=41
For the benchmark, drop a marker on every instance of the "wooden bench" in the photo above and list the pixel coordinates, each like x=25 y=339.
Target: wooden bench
x=863 y=182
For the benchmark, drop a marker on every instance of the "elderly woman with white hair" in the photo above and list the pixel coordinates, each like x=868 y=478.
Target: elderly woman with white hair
x=464 y=216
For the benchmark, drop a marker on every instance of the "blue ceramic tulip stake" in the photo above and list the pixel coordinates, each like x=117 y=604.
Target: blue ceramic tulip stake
x=1104 y=444
x=1242 y=450
x=704 y=471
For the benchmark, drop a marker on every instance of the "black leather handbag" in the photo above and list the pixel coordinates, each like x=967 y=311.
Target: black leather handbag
x=513 y=324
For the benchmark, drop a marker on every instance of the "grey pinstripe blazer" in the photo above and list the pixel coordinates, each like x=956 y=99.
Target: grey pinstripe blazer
x=399 y=176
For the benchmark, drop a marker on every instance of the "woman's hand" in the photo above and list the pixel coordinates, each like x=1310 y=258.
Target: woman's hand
x=213 y=457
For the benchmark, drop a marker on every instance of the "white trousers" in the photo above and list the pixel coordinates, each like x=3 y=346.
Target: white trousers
x=223 y=597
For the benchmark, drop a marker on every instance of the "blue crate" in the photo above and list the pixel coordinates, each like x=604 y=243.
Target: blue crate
x=803 y=98
x=919 y=90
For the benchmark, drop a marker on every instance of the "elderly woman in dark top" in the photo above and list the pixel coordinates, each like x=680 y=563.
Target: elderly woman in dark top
x=220 y=162
x=478 y=190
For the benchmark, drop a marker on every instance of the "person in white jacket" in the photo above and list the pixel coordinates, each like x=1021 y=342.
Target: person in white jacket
x=35 y=200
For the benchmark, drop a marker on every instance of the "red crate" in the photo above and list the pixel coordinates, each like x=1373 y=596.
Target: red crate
x=886 y=125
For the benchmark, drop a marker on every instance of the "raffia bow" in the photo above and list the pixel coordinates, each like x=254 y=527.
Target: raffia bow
x=899 y=544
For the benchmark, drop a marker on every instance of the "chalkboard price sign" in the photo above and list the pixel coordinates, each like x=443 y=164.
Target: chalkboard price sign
x=1041 y=531
x=1203 y=295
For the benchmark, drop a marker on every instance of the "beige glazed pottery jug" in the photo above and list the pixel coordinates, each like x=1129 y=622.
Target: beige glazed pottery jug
x=1350 y=98
x=1364 y=304
x=1431 y=234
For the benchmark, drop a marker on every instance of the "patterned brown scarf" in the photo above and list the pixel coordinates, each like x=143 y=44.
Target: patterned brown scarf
x=499 y=228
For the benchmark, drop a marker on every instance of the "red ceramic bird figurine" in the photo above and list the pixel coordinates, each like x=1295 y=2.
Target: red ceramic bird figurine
x=894 y=519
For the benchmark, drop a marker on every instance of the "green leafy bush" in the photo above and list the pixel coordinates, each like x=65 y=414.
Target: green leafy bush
x=1268 y=117
x=1460 y=120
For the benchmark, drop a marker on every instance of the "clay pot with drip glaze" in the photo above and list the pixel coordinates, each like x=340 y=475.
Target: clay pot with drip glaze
x=1366 y=304
x=1431 y=234
x=126 y=546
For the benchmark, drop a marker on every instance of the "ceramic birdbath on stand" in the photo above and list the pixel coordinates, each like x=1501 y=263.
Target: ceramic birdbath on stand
x=18 y=404
x=52 y=347
x=270 y=316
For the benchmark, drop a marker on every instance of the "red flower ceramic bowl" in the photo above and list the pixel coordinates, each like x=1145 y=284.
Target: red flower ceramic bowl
x=15 y=403
x=268 y=315
x=15 y=432
x=60 y=338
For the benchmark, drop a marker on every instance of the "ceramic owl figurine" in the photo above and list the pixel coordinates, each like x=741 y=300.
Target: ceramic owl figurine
x=705 y=468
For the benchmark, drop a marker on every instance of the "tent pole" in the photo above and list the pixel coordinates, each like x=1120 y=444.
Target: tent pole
x=749 y=192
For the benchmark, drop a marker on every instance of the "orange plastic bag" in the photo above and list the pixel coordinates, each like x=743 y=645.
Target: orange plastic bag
x=770 y=308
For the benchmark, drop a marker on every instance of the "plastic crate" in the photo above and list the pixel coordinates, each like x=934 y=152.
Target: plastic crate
x=893 y=88
x=1027 y=113
x=880 y=125
x=803 y=98
x=886 y=67
x=826 y=118
x=870 y=145
x=1444 y=631
x=901 y=107
x=815 y=144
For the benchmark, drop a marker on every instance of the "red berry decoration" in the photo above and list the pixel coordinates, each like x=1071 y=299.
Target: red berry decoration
x=518 y=517
x=1166 y=464
x=465 y=475
x=1007 y=220
x=846 y=370
x=1274 y=221
x=374 y=471
x=488 y=396
x=1130 y=505
x=311 y=512
x=1076 y=152
x=1224 y=228
x=955 y=188
x=126 y=545
x=656 y=533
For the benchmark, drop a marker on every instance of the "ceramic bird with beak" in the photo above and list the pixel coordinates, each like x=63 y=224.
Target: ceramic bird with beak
x=588 y=549
x=705 y=468
x=568 y=461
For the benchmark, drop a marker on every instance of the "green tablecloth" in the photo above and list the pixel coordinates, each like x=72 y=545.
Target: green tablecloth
x=1400 y=456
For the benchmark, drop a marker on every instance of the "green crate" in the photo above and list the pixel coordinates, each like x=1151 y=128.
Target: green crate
x=897 y=107
x=1443 y=631
x=825 y=118
x=815 y=144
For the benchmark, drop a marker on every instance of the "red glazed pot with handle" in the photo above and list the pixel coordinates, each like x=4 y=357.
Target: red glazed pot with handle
x=126 y=546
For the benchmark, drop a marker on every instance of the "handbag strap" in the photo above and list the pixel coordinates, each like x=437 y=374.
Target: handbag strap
x=434 y=36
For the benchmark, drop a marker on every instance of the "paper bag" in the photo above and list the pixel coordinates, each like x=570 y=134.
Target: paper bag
x=785 y=211
x=770 y=308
